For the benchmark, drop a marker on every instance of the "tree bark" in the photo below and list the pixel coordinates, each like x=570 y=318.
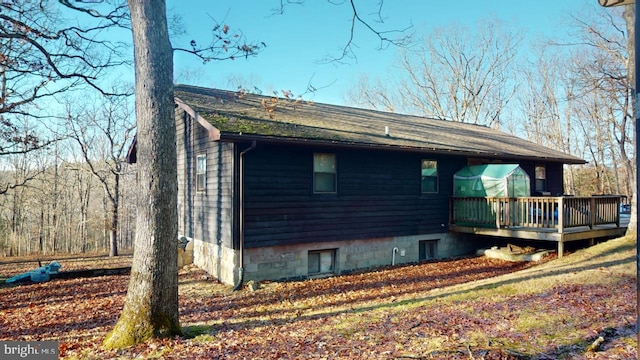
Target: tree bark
x=629 y=17
x=115 y=207
x=151 y=305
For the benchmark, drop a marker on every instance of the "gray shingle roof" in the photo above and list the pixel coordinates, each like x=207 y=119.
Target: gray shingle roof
x=248 y=116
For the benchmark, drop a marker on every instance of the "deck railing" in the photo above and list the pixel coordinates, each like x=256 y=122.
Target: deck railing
x=535 y=212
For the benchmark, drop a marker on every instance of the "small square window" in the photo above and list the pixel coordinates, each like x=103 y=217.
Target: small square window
x=324 y=174
x=429 y=176
x=201 y=172
x=427 y=249
x=321 y=261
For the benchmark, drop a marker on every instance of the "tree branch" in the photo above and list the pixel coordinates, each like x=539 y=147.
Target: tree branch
x=224 y=45
x=386 y=38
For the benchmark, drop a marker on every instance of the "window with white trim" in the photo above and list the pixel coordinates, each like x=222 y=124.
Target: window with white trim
x=201 y=172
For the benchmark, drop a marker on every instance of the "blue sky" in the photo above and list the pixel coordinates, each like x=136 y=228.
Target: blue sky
x=298 y=40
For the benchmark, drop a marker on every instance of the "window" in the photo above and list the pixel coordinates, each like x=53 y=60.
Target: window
x=201 y=172
x=541 y=178
x=429 y=176
x=427 y=249
x=321 y=261
x=324 y=174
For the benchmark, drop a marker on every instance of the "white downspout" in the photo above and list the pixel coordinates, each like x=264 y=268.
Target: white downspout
x=393 y=256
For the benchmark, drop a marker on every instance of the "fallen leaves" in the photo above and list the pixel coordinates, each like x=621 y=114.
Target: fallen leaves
x=384 y=314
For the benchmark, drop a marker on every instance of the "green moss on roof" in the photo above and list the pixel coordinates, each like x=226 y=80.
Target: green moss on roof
x=250 y=114
x=254 y=126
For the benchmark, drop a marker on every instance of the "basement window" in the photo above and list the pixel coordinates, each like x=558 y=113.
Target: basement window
x=321 y=261
x=427 y=249
x=201 y=172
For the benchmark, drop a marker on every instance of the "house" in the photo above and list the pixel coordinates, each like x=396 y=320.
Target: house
x=273 y=188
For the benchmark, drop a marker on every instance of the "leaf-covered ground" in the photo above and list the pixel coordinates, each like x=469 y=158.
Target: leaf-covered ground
x=473 y=308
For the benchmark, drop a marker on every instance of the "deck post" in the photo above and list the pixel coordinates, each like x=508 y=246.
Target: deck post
x=451 y=211
x=618 y=212
x=560 y=248
x=561 y=215
x=592 y=212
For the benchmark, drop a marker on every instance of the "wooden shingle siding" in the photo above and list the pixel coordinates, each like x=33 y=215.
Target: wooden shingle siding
x=185 y=185
x=555 y=180
x=213 y=207
x=204 y=215
x=378 y=195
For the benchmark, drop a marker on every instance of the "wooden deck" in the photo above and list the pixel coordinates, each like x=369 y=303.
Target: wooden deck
x=558 y=219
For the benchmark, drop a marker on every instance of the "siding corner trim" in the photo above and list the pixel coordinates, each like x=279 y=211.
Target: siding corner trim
x=214 y=133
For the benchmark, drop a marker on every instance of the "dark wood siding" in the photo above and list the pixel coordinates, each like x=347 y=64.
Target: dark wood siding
x=184 y=129
x=378 y=195
x=554 y=173
x=555 y=179
x=204 y=215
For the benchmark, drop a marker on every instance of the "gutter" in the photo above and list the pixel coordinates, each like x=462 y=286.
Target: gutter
x=238 y=286
x=234 y=137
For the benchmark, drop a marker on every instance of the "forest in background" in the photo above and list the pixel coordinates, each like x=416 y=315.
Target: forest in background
x=64 y=186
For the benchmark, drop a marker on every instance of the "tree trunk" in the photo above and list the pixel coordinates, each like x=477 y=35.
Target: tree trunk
x=629 y=17
x=115 y=205
x=41 y=231
x=151 y=305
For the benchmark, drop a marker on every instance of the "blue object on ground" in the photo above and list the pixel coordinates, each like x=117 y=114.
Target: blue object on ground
x=40 y=274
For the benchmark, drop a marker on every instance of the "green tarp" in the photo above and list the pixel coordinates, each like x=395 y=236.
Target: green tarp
x=491 y=180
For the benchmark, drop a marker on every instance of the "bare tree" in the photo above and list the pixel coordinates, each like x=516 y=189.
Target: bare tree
x=453 y=74
x=602 y=63
x=462 y=75
x=19 y=167
x=103 y=134
x=44 y=53
x=547 y=106
x=377 y=96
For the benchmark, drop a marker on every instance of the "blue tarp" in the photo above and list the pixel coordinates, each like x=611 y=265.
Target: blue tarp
x=40 y=274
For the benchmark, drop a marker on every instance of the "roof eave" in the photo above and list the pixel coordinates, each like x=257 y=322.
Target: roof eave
x=237 y=137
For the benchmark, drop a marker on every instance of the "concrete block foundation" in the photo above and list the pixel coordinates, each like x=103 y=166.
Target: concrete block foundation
x=292 y=261
x=219 y=261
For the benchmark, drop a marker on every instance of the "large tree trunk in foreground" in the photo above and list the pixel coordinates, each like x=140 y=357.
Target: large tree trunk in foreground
x=151 y=305
x=630 y=18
